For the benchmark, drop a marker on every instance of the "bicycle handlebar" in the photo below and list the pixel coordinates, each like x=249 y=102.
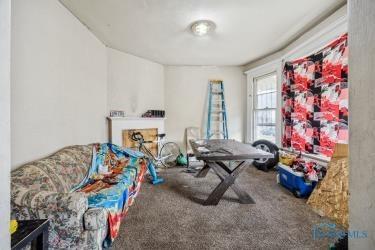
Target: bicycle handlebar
x=137 y=136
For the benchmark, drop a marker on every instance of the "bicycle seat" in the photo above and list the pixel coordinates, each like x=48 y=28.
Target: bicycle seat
x=161 y=136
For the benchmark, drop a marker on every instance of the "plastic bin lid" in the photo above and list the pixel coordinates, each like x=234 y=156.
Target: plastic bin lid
x=290 y=170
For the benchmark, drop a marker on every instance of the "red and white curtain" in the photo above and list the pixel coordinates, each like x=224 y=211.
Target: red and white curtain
x=315 y=100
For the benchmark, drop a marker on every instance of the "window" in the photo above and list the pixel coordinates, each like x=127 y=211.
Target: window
x=265 y=104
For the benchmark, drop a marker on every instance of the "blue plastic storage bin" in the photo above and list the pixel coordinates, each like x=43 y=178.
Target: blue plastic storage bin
x=294 y=181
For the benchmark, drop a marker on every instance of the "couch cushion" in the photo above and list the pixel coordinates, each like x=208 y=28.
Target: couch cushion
x=57 y=173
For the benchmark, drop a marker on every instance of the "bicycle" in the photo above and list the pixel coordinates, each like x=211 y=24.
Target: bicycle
x=167 y=152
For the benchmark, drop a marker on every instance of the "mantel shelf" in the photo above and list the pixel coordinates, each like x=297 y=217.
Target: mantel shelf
x=134 y=118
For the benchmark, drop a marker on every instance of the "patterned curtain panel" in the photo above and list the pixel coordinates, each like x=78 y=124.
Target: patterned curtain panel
x=315 y=100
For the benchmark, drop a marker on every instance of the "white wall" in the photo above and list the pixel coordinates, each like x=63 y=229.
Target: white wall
x=5 y=11
x=58 y=90
x=314 y=39
x=134 y=84
x=186 y=92
x=362 y=121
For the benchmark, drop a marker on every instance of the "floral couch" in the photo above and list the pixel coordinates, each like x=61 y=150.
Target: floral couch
x=41 y=189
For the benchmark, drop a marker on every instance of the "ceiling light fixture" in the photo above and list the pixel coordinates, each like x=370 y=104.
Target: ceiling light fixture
x=202 y=27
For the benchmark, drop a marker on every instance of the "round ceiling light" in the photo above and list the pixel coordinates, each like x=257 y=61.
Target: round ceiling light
x=202 y=27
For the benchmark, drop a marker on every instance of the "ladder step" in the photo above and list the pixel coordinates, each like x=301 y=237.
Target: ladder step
x=217 y=110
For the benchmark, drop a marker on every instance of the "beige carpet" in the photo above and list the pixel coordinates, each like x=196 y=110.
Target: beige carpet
x=169 y=216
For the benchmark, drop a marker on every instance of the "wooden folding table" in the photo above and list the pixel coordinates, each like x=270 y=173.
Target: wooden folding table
x=220 y=155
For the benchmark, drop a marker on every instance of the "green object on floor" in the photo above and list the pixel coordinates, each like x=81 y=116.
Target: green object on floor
x=181 y=160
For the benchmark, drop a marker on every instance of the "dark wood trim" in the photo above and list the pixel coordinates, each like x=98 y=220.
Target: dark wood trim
x=38 y=234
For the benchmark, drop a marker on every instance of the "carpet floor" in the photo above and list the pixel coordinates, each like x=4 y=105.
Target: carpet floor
x=170 y=216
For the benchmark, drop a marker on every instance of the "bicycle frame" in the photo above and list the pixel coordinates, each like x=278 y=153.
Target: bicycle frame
x=146 y=151
x=158 y=159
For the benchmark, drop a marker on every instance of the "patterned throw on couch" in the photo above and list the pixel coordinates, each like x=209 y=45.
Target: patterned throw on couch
x=84 y=205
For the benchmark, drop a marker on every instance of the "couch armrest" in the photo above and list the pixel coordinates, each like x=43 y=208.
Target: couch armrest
x=95 y=218
x=64 y=210
x=60 y=202
x=50 y=201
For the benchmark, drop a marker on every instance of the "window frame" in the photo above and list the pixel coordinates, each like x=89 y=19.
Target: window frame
x=255 y=103
x=273 y=67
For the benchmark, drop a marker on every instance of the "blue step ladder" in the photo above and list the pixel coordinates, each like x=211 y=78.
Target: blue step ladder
x=217 y=115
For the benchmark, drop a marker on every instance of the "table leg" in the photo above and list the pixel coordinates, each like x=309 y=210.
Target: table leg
x=42 y=241
x=45 y=239
x=228 y=178
x=225 y=167
x=203 y=172
x=217 y=194
x=39 y=242
x=244 y=197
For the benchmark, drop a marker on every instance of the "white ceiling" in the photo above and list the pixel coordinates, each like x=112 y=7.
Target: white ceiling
x=159 y=29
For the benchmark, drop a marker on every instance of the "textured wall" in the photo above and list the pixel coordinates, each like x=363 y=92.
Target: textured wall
x=4 y=121
x=186 y=92
x=59 y=81
x=362 y=120
x=298 y=46
x=134 y=84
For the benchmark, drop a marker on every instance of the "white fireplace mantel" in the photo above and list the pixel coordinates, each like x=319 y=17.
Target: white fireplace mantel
x=118 y=124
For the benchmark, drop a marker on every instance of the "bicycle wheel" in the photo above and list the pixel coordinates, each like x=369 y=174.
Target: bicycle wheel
x=169 y=153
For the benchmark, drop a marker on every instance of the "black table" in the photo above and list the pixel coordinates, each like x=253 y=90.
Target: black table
x=31 y=231
x=215 y=153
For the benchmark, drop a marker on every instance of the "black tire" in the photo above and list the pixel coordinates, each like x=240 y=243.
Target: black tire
x=266 y=164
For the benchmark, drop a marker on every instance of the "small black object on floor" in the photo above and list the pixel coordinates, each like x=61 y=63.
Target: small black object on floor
x=341 y=244
x=192 y=169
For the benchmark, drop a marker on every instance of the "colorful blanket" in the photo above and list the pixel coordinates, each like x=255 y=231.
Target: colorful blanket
x=112 y=182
